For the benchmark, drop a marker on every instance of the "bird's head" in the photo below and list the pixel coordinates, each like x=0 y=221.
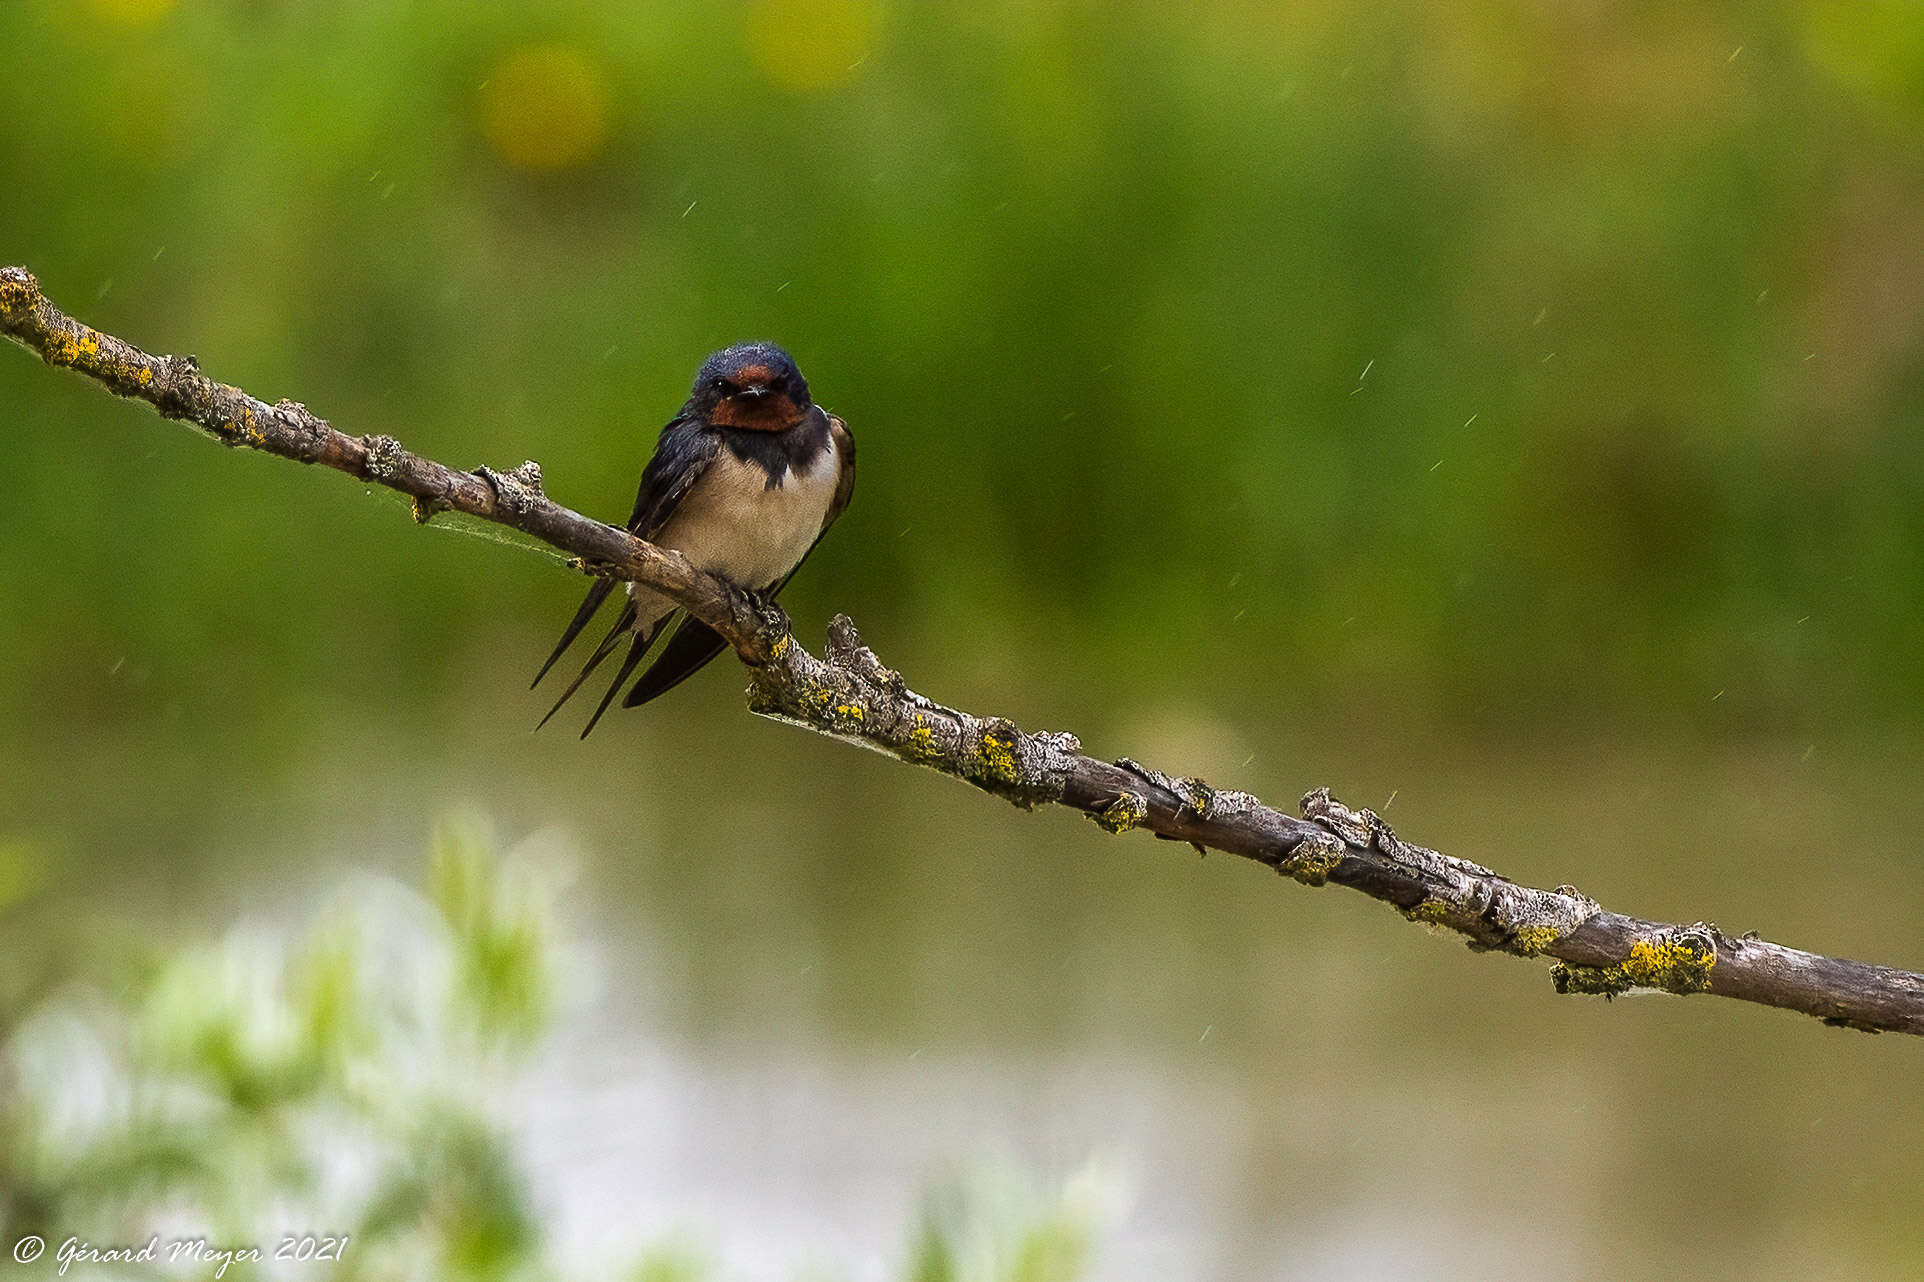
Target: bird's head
x=754 y=386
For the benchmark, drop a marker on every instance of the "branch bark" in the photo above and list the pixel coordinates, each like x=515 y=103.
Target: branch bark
x=848 y=694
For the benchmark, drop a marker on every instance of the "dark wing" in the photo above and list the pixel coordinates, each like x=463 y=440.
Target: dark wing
x=845 y=487
x=695 y=643
x=681 y=455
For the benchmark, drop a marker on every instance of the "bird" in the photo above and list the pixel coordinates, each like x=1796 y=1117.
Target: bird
x=744 y=481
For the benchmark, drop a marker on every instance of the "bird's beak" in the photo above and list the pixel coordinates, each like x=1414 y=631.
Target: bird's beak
x=753 y=392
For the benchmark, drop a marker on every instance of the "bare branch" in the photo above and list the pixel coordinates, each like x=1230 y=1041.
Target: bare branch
x=850 y=695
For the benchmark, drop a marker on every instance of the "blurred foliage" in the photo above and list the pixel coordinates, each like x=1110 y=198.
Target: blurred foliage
x=224 y=1083
x=990 y=1225
x=500 y=927
x=1491 y=362
x=339 y=1075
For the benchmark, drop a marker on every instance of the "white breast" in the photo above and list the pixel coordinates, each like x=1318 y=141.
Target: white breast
x=731 y=523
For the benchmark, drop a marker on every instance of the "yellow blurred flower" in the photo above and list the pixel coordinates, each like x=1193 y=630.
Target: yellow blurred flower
x=810 y=45
x=545 y=108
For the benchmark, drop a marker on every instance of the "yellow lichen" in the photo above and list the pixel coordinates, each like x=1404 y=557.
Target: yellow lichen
x=995 y=760
x=1680 y=965
x=15 y=294
x=1127 y=811
x=1198 y=798
x=65 y=349
x=1433 y=911
x=1533 y=941
x=1599 y=981
x=1312 y=861
x=921 y=745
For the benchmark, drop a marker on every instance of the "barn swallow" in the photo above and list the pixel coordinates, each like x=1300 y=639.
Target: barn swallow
x=744 y=482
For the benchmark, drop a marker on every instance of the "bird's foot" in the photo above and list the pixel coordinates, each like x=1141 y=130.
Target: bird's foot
x=757 y=607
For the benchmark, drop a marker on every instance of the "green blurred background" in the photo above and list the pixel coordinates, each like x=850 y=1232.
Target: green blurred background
x=1511 y=412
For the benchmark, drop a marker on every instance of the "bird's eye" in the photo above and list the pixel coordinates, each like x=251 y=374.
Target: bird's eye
x=721 y=385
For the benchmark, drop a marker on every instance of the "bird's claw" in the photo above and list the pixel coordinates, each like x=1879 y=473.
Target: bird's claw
x=770 y=619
